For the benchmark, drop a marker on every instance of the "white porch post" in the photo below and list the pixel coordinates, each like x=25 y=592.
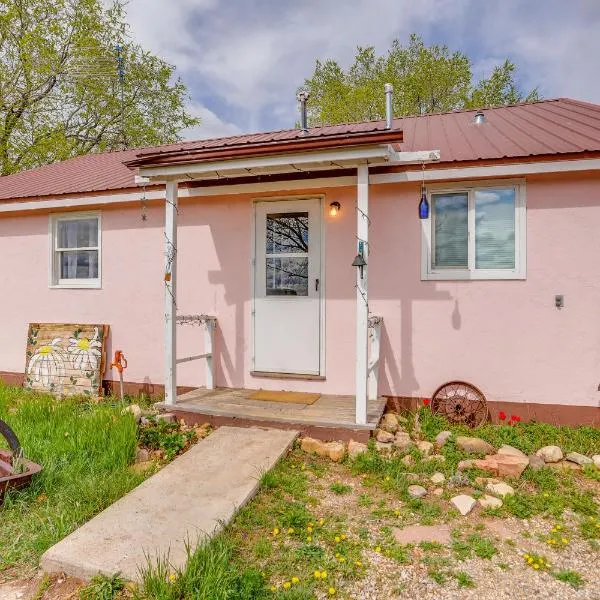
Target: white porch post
x=171 y=293
x=362 y=307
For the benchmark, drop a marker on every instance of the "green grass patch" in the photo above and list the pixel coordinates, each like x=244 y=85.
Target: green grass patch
x=573 y=578
x=103 y=587
x=340 y=488
x=85 y=450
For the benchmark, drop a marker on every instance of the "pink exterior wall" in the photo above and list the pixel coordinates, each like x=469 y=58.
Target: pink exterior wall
x=504 y=336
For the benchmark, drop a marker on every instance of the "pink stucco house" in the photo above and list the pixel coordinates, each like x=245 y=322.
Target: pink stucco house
x=498 y=284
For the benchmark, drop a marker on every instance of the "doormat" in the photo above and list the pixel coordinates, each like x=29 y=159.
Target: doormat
x=65 y=359
x=291 y=397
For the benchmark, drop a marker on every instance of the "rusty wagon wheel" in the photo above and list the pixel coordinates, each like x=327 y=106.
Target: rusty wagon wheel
x=461 y=403
x=10 y=436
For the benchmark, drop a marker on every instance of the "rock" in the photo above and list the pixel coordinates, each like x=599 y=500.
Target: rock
x=438 y=478
x=565 y=465
x=385 y=437
x=416 y=491
x=356 y=448
x=402 y=441
x=389 y=423
x=134 y=409
x=499 y=489
x=383 y=448
x=511 y=451
x=473 y=445
x=550 y=454
x=142 y=455
x=336 y=451
x=483 y=481
x=536 y=462
x=415 y=534
x=313 y=446
x=438 y=491
x=464 y=464
x=425 y=448
x=596 y=460
x=465 y=504
x=442 y=437
x=579 y=459
x=167 y=417
x=503 y=465
x=408 y=460
x=438 y=457
x=488 y=501
x=145 y=421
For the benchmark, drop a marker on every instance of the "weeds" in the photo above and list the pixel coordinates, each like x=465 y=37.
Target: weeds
x=103 y=587
x=574 y=579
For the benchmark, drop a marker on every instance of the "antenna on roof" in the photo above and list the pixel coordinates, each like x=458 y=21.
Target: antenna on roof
x=389 y=115
x=121 y=74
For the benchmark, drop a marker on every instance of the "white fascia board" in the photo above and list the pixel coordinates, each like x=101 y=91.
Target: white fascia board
x=380 y=152
x=423 y=156
x=503 y=170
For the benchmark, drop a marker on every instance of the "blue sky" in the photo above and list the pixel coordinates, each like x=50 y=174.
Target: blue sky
x=242 y=60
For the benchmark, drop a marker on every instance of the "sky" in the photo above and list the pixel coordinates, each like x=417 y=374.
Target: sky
x=243 y=60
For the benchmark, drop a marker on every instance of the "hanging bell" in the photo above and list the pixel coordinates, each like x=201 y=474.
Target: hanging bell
x=423 y=206
x=359 y=262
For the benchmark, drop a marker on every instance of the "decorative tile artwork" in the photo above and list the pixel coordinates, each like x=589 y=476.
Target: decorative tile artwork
x=64 y=359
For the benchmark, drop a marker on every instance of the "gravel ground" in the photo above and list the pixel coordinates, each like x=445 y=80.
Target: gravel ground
x=505 y=576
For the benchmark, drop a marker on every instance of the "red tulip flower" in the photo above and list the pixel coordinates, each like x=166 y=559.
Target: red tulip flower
x=426 y=401
x=502 y=415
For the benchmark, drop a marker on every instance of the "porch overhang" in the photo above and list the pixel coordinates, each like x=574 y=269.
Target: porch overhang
x=298 y=162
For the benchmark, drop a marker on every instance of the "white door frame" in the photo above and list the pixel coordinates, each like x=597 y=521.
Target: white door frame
x=323 y=279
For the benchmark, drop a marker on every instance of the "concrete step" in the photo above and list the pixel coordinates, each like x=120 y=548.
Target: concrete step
x=190 y=498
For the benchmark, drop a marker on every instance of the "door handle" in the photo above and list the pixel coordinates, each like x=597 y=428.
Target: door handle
x=317 y=284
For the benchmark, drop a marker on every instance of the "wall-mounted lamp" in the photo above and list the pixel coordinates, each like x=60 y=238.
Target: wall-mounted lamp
x=359 y=262
x=334 y=209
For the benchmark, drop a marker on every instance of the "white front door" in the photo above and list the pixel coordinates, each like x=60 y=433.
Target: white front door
x=287 y=287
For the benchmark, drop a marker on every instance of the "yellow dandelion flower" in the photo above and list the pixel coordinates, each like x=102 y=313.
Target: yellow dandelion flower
x=343 y=536
x=311 y=524
x=172 y=577
x=323 y=574
x=321 y=522
x=337 y=554
x=290 y=530
x=303 y=467
x=536 y=566
x=558 y=527
x=287 y=585
x=358 y=563
x=565 y=541
x=309 y=529
x=525 y=556
x=273 y=588
x=378 y=549
x=530 y=560
x=309 y=538
x=331 y=591
x=295 y=580
x=387 y=478
x=317 y=574
x=338 y=539
x=276 y=531
x=342 y=559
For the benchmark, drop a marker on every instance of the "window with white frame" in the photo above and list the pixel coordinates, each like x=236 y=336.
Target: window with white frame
x=75 y=250
x=475 y=231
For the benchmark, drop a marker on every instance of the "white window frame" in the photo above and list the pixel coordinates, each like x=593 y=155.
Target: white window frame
x=429 y=273
x=54 y=266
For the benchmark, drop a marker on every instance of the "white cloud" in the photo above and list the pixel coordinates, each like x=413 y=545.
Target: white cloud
x=244 y=59
x=211 y=126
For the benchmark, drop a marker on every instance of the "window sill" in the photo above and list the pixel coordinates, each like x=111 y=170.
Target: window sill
x=76 y=286
x=482 y=275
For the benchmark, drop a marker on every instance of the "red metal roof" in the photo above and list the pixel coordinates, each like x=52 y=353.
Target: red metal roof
x=545 y=128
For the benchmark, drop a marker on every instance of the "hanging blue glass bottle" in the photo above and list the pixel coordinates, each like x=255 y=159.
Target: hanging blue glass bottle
x=423 y=206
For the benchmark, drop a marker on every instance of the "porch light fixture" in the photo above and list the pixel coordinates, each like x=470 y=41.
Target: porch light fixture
x=359 y=262
x=334 y=209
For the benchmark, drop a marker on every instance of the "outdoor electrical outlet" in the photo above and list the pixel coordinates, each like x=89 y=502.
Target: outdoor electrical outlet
x=559 y=301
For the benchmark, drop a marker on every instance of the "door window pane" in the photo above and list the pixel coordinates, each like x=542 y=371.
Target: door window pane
x=287 y=233
x=79 y=233
x=287 y=276
x=495 y=229
x=80 y=264
x=451 y=237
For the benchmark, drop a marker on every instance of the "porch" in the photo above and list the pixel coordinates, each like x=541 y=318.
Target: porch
x=329 y=417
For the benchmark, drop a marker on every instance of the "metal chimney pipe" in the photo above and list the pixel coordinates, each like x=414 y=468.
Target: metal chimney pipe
x=389 y=90
x=302 y=97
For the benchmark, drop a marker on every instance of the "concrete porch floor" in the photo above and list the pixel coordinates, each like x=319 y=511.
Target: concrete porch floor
x=329 y=417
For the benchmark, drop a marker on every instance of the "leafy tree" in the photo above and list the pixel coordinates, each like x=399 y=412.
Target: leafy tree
x=60 y=91
x=425 y=79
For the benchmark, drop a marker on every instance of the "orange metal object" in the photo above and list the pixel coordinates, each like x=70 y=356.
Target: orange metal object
x=119 y=362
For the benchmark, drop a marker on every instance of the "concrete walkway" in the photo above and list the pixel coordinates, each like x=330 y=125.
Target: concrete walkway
x=190 y=498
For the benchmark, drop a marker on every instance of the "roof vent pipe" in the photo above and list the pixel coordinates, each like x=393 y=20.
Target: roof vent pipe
x=479 y=118
x=389 y=89
x=302 y=97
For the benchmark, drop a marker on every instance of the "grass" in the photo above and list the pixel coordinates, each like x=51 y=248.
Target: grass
x=340 y=488
x=103 y=587
x=574 y=579
x=85 y=450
